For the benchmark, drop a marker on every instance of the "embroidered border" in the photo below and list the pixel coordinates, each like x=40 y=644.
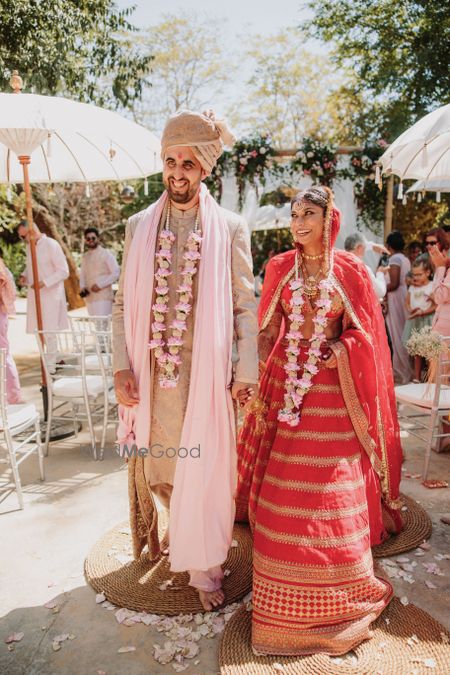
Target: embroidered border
x=320 y=436
x=320 y=542
x=314 y=487
x=355 y=410
x=318 y=514
x=276 y=296
x=284 y=569
x=308 y=460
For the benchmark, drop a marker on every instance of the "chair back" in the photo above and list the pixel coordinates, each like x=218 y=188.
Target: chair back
x=60 y=352
x=442 y=375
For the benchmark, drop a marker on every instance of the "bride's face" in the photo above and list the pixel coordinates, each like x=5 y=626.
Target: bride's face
x=307 y=223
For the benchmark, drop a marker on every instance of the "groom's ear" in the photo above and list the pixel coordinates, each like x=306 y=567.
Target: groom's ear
x=204 y=174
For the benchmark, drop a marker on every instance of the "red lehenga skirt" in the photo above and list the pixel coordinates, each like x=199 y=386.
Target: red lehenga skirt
x=307 y=491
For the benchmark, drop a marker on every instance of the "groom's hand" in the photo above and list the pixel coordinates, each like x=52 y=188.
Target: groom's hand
x=244 y=393
x=126 y=388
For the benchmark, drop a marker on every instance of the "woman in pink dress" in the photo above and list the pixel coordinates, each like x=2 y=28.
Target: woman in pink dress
x=399 y=266
x=7 y=297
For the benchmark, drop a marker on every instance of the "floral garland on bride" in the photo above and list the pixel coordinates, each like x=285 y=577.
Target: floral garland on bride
x=296 y=388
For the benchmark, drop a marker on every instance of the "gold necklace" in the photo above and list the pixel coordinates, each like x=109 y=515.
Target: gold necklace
x=311 y=282
x=312 y=257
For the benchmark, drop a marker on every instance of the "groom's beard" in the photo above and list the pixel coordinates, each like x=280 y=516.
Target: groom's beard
x=184 y=194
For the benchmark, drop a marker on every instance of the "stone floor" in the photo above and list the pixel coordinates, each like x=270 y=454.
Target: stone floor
x=43 y=548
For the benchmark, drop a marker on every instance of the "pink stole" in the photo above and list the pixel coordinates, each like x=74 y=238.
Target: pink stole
x=202 y=503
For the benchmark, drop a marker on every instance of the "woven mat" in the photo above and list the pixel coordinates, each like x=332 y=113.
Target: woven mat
x=135 y=584
x=392 y=650
x=417 y=528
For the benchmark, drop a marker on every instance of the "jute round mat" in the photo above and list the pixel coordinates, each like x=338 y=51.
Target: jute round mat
x=417 y=528
x=141 y=585
x=412 y=642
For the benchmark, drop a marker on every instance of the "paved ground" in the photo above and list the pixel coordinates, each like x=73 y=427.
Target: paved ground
x=43 y=548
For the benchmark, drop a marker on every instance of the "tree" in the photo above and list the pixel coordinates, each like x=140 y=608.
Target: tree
x=189 y=67
x=82 y=48
x=292 y=92
x=398 y=51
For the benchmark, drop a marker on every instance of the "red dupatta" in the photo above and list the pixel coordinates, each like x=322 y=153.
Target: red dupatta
x=363 y=356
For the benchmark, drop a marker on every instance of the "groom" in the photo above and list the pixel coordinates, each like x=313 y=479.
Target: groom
x=186 y=291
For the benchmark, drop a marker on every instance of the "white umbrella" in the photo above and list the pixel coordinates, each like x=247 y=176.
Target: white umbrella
x=422 y=151
x=72 y=142
x=51 y=139
x=437 y=185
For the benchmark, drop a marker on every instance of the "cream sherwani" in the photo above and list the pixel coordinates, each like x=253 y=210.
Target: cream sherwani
x=168 y=406
x=99 y=266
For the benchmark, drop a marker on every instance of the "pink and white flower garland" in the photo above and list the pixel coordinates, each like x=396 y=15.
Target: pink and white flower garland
x=168 y=355
x=296 y=388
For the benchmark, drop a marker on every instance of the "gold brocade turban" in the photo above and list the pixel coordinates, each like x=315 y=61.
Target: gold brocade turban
x=201 y=132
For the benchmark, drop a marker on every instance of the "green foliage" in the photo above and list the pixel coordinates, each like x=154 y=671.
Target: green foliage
x=82 y=48
x=291 y=92
x=142 y=201
x=14 y=257
x=415 y=218
x=398 y=52
x=9 y=218
x=266 y=243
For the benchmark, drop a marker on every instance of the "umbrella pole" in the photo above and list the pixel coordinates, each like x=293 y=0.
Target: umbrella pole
x=388 y=207
x=25 y=161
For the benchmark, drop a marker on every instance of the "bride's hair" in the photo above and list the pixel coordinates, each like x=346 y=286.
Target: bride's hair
x=320 y=195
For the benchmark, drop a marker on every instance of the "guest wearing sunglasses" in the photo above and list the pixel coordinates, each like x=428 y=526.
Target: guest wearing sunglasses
x=99 y=270
x=436 y=237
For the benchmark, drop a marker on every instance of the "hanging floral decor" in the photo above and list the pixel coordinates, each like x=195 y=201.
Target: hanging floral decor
x=316 y=160
x=370 y=200
x=250 y=160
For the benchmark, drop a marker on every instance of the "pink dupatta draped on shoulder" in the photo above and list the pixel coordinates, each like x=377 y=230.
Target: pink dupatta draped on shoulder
x=202 y=503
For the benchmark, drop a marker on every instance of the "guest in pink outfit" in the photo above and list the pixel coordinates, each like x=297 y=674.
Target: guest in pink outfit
x=7 y=297
x=441 y=290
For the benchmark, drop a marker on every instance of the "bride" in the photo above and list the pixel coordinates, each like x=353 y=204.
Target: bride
x=319 y=452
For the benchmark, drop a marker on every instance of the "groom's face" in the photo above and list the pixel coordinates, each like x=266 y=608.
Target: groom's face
x=182 y=174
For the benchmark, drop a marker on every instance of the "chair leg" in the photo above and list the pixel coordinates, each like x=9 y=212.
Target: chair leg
x=74 y=417
x=37 y=427
x=15 y=472
x=49 y=425
x=91 y=428
x=105 y=424
x=429 y=444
